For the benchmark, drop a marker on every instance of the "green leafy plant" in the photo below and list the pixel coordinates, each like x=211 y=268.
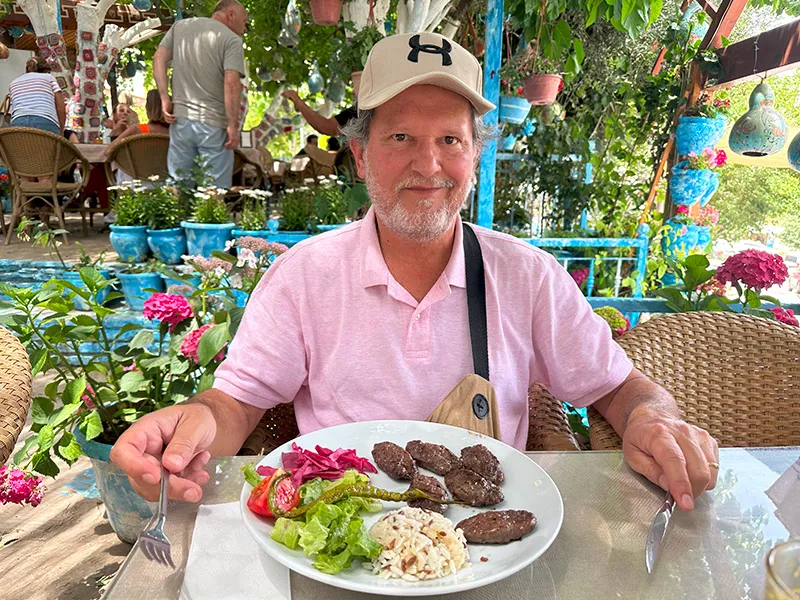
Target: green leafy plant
x=694 y=292
x=151 y=266
x=719 y=106
x=330 y=205
x=296 y=209
x=131 y=204
x=208 y=206
x=352 y=55
x=254 y=211
x=163 y=208
x=41 y=235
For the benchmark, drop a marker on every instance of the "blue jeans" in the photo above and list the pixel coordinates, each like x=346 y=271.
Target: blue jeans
x=189 y=139
x=36 y=122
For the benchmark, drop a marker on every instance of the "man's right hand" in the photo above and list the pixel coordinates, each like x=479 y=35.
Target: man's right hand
x=233 y=137
x=177 y=437
x=291 y=95
x=167 y=109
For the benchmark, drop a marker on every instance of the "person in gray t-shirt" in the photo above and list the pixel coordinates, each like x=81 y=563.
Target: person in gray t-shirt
x=207 y=62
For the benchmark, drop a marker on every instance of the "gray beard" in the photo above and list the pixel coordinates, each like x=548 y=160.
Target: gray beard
x=420 y=226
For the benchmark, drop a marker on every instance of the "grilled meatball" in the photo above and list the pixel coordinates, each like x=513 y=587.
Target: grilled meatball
x=393 y=460
x=497 y=526
x=429 y=485
x=433 y=457
x=473 y=489
x=478 y=458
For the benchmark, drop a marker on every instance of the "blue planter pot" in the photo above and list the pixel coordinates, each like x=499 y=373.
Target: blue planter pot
x=75 y=278
x=204 y=238
x=681 y=239
x=130 y=242
x=135 y=284
x=514 y=109
x=289 y=238
x=690 y=186
x=330 y=227
x=695 y=134
x=256 y=233
x=168 y=245
x=127 y=512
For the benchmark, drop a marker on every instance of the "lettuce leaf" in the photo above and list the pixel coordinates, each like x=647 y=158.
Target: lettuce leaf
x=287 y=532
x=313 y=537
x=250 y=475
x=333 y=563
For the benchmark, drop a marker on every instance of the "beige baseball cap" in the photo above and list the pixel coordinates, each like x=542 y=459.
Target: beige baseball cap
x=399 y=61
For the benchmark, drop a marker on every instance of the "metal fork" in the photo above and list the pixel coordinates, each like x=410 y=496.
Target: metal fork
x=153 y=542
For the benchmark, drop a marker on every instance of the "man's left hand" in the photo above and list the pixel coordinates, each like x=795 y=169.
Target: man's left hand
x=670 y=452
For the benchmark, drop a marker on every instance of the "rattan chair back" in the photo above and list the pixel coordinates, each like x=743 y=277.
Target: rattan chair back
x=15 y=391
x=240 y=161
x=29 y=152
x=735 y=375
x=548 y=427
x=140 y=156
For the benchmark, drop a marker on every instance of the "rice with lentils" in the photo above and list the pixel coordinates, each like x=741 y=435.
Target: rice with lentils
x=417 y=544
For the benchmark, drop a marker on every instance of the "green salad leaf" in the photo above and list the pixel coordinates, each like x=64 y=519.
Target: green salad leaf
x=333 y=533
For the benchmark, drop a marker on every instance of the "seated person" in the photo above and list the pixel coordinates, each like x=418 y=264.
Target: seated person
x=381 y=331
x=122 y=118
x=156 y=123
x=312 y=140
x=333 y=144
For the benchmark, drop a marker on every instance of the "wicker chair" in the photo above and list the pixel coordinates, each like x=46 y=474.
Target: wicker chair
x=34 y=153
x=15 y=391
x=734 y=375
x=240 y=162
x=548 y=427
x=140 y=156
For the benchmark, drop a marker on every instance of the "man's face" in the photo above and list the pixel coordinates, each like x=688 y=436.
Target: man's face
x=237 y=19
x=419 y=161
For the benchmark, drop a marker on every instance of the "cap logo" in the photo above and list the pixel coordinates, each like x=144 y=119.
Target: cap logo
x=416 y=48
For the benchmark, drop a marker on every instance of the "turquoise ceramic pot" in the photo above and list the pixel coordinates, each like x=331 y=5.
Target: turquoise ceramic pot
x=695 y=134
x=762 y=130
x=130 y=242
x=258 y=233
x=793 y=153
x=514 y=109
x=204 y=238
x=127 y=512
x=690 y=186
x=168 y=245
x=75 y=278
x=134 y=286
x=289 y=238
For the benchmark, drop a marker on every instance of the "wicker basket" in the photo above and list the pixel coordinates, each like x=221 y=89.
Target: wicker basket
x=15 y=391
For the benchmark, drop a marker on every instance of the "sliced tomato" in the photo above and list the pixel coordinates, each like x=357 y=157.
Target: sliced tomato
x=257 y=502
x=286 y=495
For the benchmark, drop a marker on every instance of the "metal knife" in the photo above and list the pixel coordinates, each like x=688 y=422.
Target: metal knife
x=658 y=531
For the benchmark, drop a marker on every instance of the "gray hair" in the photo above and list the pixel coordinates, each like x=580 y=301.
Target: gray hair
x=358 y=128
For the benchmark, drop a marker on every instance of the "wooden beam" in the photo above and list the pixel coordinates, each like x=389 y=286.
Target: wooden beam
x=723 y=22
x=778 y=50
x=710 y=10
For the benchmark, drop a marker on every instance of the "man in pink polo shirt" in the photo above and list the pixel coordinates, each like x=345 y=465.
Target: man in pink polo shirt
x=371 y=321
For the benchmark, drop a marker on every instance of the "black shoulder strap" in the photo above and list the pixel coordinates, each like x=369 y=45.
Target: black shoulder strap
x=476 y=302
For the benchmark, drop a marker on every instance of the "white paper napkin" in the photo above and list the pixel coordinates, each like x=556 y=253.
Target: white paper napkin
x=225 y=563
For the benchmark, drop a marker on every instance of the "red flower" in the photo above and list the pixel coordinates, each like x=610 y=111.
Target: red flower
x=560 y=85
x=191 y=342
x=580 y=275
x=683 y=210
x=785 y=315
x=756 y=269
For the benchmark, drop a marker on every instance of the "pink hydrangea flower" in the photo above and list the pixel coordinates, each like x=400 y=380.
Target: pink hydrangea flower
x=756 y=269
x=708 y=216
x=713 y=286
x=720 y=159
x=88 y=396
x=18 y=487
x=785 y=315
x=683 y=210
x=192 y=341
x=167 y=308
x=580 y=275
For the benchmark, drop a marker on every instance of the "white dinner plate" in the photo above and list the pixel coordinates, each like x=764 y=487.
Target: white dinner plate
x=527 y=486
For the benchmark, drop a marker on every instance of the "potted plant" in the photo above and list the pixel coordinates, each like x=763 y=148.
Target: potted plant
x=701 y=126
x=41 y=235
x=129 y=231
x=102 y=382
x=253 y=222
x=349 y=60
x=693 y=180
x=296 y=211
x=210 y=226
x=326 y=12
x=330 y=204
x=5 y=190
x=165 y=236
x=139 y=281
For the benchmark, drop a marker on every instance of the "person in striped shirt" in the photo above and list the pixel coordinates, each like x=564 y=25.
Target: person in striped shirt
x=36 y=99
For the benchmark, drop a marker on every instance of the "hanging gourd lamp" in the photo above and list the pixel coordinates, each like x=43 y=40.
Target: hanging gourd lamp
x=762 y=130
x=793 y=154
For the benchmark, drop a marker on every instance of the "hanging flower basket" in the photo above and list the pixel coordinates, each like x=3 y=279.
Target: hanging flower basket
x=690 y=186
x=543 y=88
x=514 y=109
x=694 y=134
x=326 y=12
